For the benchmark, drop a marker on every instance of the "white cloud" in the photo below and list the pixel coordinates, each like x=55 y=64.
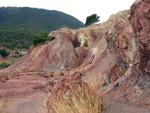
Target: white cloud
x=77 y=8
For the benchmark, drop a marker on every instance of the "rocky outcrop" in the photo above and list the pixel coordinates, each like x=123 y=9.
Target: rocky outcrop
x=140 y=18
x=134 y=89
x=141 y=60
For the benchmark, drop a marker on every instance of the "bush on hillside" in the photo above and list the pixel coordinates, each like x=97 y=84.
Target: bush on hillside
x=64 y=26
x=20 y=55
x=4 y=53
x=4 y=65
x=16 y=52
x=41 y=38
x=85 y=43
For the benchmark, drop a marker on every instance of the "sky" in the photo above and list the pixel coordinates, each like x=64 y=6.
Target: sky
x=77 y=8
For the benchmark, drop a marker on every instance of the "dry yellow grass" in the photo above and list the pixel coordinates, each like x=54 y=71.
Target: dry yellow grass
x=77 y=100
x=96 y=84
x=3 y=106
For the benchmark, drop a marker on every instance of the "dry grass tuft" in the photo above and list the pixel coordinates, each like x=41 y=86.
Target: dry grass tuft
x=77 y=100
x=96 y=84
x=3 y=106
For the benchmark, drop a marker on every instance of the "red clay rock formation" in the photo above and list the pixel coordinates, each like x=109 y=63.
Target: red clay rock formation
x=65 y=82
x=140 y=18
x=140 y=21
x=82 y=54
x=58 y=54
x=25 y=93
x=135 y=89
x=123 y=40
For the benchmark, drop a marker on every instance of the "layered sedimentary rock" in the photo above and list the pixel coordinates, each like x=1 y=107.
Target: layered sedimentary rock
x=135 y=89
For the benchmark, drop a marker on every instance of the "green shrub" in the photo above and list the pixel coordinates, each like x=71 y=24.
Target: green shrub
x=85 y=43
x=64 y=26
x=4 y=53
x=4 y=65
x=50 y=38
x=16 y=52
x=92 y=19
x=37 y=40
x=20 y=55
x=41 y=38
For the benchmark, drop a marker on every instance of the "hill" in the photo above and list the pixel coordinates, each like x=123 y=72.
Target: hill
x=19 y=25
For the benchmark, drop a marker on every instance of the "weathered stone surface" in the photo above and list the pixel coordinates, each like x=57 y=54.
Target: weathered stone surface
x=82 y=54
x=65 y=83
x=25 y=93
x=135 y=89
x=140 y=22
x=58 y=54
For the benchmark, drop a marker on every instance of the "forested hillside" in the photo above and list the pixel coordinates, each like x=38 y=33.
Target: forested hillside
x=19 y=25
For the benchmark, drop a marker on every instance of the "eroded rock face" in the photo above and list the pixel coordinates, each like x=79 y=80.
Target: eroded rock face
x=82 y=54
x=119 y=43
x=140 y=19
x=64 y=83
x=136 y=88
x=58 y=54
x=123 y=39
